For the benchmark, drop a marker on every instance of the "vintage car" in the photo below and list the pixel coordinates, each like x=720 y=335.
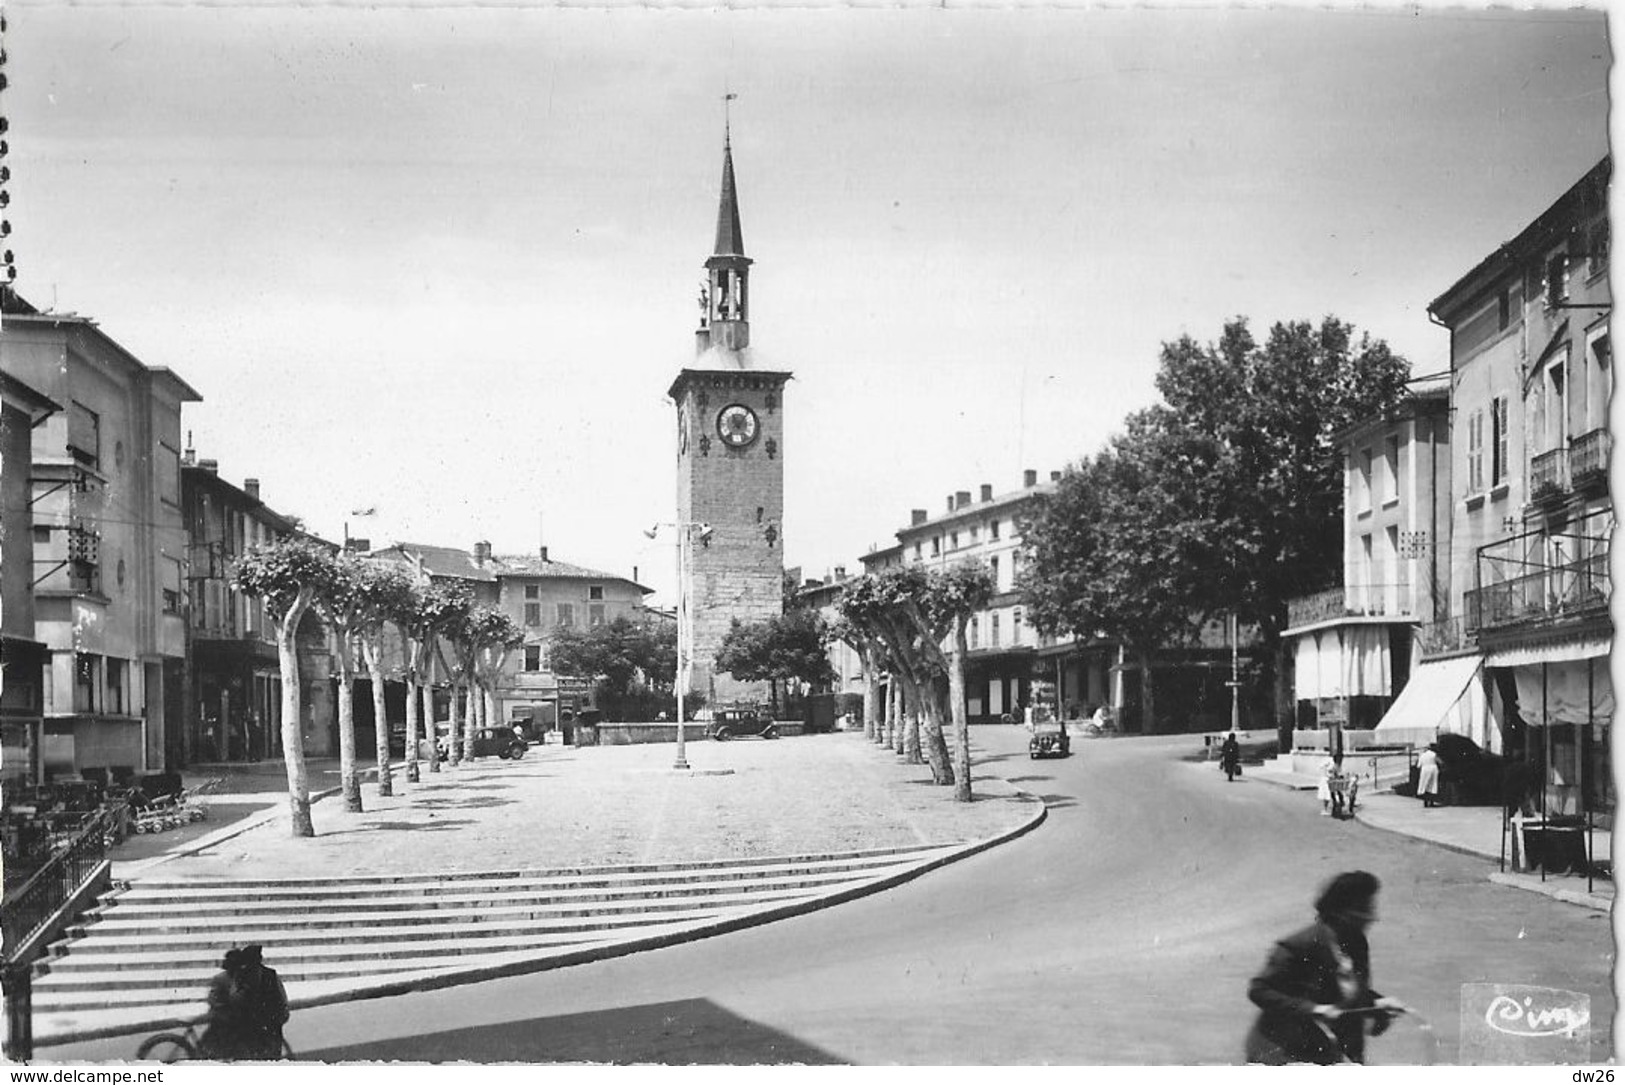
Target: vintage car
x=1049 y=740
x=726 y=723
x=501 y=741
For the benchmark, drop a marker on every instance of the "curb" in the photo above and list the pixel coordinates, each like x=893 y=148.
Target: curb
x=478 y=974
x=1548 y=889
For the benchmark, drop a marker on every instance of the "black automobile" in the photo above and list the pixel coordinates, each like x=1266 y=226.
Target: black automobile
x=501 y=741
x=729 y=723
x=1049 y=740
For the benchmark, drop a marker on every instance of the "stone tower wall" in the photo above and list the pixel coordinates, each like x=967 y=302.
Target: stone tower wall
x=739 y=493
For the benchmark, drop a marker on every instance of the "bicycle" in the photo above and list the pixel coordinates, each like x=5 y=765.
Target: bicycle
x=1425 y=1040
x=171 y=1047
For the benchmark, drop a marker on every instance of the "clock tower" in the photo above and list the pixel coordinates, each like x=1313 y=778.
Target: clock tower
x=730 y=467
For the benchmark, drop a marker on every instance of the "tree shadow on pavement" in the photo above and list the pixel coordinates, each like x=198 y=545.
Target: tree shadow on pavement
x=690 y=1032
x=385 y=826
x=476 y=803
x=1056 y=802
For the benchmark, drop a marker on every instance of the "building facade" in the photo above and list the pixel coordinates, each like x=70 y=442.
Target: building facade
x=233 y=681
x=22 y=697
x=730 y=469
x=1532 y=514
x=1353 y=646
x=108 y=541
x=543 y=595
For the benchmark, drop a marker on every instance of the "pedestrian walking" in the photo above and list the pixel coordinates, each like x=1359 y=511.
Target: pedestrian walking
x=1230 y=757
x=1427 y=776
x=247 y=1008
x=1314 y=994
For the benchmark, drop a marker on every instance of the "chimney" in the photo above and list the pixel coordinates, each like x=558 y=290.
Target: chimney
x=1029 y=478
x=211 y=466
x=1055 y=476
x=840 y=572
x=961 y=499
x=544 y=554
x=251 y=487
x=950 y=502
x=987 y=491
x=482 y=553
x=916 y=517
x=634 y=574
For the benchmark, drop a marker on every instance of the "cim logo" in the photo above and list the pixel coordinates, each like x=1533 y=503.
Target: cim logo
x=1507 y=1014
x=1520 y=1024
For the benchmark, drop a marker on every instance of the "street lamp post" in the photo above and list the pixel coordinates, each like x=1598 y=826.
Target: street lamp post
x=684 y=530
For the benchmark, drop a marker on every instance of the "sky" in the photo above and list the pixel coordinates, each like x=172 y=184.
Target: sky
x=441 y=262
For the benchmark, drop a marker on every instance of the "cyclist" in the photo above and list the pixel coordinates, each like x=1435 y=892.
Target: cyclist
x=247 y=1008
x=1315 y=993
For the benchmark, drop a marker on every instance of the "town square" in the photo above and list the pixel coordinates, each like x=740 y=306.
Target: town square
x=942 y=536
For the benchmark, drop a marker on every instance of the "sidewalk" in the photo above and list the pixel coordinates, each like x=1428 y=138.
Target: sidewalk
x=1472 y=830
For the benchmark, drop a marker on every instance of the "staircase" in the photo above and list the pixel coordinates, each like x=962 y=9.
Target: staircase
x=143 y=957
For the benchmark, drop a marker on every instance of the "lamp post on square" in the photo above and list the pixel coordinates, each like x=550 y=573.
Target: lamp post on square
x=685 y=530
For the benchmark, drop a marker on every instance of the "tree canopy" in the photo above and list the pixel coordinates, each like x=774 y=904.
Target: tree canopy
x=1226 y=497
x=618 y=654
x=792 y=646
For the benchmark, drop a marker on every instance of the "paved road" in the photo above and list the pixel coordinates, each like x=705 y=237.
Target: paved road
x=1123 y=930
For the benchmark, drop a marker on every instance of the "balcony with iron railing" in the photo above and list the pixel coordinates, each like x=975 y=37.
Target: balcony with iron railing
x=1447 y=636
x=1571 y=591
x=1548 y=475
x=1351 y=601
x=1588 y=460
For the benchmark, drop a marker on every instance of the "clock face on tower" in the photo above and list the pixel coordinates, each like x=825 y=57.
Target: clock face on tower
x=736 y=425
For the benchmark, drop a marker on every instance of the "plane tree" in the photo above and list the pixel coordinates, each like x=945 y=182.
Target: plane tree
x=389 y=598
x=289 y=576
x=788 y=647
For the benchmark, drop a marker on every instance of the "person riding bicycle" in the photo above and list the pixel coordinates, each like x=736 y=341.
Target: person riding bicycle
x=1315 y=993
x=247 y=1008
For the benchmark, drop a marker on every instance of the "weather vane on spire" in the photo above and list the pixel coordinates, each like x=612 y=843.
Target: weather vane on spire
x=727 y=131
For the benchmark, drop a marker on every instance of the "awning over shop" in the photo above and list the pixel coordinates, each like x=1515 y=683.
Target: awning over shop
x=1573 y=691
x=1348 y=661
x=1442 y=695
x=1525 y=656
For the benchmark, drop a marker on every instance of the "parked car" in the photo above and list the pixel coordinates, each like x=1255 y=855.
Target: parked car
x=500 y=741
x=1049 y=740
x=726 y=723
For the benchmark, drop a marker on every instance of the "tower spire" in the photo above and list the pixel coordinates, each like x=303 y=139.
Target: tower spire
x=725 y=319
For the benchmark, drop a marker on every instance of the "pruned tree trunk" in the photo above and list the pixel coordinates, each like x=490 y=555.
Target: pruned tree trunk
x=412 y=772
x=472 y=719
x=932 y=744
x=453 y=746
x=1148 y=701
x=349 y=782
x=371 y=653
x=961 y=722
x=293 y=731
x=490 y=712
x=871 y=697
x=898 y=722
x=429 y=723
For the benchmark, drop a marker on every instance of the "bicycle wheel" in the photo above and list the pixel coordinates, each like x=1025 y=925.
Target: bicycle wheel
x=166 y=1047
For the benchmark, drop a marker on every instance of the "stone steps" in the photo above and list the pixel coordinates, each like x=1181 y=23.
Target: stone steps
x=146 y=952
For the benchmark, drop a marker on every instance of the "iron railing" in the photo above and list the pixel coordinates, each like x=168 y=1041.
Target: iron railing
x=33 y=903
x=1548 y=474
x=1438 y=638
x=1588 y=458
x=1352 y=600
x=1574 y=590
